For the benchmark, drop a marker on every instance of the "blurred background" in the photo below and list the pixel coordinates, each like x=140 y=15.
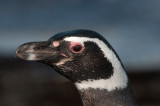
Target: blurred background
x=131 y=26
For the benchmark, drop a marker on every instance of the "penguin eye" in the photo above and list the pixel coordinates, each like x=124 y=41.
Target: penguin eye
x=76 y=47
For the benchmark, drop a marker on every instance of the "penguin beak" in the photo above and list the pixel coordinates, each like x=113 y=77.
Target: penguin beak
x=35 y=51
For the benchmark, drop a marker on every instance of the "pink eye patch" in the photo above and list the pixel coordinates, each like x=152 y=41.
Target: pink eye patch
x=76 y=47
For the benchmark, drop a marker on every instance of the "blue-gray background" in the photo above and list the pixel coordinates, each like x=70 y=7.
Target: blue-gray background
x=131 y=26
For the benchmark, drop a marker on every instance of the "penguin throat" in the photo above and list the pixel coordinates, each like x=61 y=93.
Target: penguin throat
x=117 y=81
x=97 y=97
x=108 y=84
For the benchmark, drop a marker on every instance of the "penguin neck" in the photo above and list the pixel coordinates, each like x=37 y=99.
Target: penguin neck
x=101 y=97
x=114 y=91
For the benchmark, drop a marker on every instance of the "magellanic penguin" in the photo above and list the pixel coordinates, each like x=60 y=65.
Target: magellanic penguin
x=88 y=60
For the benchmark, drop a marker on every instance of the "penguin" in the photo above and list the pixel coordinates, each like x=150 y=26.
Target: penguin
x=88 y=60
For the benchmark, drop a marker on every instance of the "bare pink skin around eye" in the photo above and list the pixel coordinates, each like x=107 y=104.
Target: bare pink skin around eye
x=55 y=43
x=72 y=44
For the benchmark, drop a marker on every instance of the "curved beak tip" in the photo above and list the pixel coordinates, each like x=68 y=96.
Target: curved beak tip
x=21 y=52
x=29 y=51
x=17 y=52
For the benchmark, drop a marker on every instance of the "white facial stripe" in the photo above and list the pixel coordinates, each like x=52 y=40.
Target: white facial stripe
x=119 y=78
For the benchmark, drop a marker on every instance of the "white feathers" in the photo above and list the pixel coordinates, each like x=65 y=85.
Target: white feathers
x=119 y=78
x=108 y=84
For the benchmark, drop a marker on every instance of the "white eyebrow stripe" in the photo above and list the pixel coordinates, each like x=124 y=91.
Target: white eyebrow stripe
x=119 y=78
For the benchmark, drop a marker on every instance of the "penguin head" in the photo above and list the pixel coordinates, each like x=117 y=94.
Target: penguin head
x=79 y=55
